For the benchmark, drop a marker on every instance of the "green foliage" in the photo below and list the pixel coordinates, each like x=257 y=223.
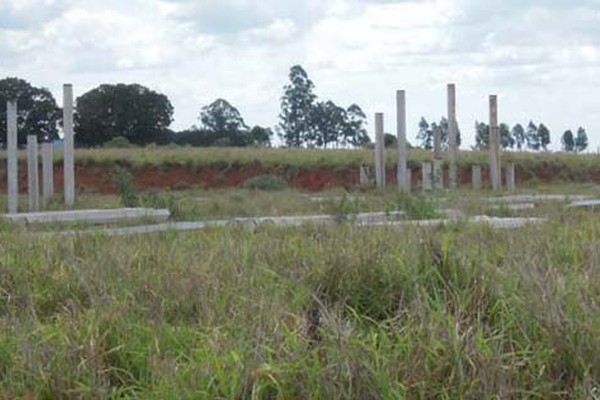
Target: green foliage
x=118 y=142
x=304 y=121
x=390 y=140
x=425 y=134
x=519 y=136
x=568 y=141
x=126 y=188
x=132 y=111
x=296 y=108
x=304 y=313
x=544 y=136
x=264 y=182
x=581 y=141
x=415 y=206
x=37 y=112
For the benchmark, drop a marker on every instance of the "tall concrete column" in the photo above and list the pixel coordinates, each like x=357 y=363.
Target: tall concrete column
x=510 y=177
x=438 y=174
x=495 y=168
x=69 y=150
x=401 y=129
x=427 y=185
x=12 y=166
x=33 y=180
x=476 y=177
x=47 y=173
x=438 y=163
x=452 y=133
x=379 y=151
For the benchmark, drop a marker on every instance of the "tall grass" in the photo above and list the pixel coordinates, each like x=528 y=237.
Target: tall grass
x=567 y=165
x=310 y=313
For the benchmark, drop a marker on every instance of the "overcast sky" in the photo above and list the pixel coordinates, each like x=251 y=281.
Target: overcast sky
x=541 y=57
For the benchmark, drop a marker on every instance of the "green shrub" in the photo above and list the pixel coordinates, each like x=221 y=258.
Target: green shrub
x=126 y=188
x=118 y=142
x=264 y=182
x=415 y=207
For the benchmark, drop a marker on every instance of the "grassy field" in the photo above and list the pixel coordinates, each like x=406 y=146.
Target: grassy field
x=464 y=311
x=168 y=156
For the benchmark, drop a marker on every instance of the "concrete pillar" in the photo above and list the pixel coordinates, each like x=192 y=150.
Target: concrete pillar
x=495 y=168
x=47 y=173
x=510 y=177
x=476 y=177
x=12 y=165
x=426 y=178
x=379 y=151
x=438 y=163
x=437 y=143
x=401 y=129
x=33 y=180
x=452 y=139
x=69 y=162
x=408 y=179
x=438 y=174
x=364 y=175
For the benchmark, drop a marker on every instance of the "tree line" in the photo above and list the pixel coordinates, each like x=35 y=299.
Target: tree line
x=142 y=116
x=534 y=137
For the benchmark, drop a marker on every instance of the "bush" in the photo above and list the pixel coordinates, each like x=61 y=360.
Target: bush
x=415 y=207
x=126 y=188
x=118 y=142
x=264 y=182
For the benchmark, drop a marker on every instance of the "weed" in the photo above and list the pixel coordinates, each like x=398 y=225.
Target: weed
x=126 y=188
x=264 y=182
x=414 y=206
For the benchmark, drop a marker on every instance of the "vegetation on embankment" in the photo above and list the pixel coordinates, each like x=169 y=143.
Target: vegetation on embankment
x=456 y=312
x=225 y=167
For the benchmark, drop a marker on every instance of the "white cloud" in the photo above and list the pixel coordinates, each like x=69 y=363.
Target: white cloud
x=542 y=58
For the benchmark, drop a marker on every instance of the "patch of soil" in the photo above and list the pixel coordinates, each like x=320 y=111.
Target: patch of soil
x=100 y=179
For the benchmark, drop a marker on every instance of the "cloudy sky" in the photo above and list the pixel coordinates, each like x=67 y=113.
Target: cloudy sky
x=541 y=57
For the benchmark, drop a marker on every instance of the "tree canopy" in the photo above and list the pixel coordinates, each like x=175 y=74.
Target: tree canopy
x=306 y=121
x=425 y=134
x=133 y=111
x=37 y=112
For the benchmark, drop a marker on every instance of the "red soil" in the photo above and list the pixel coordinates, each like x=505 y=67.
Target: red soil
x=100 y=179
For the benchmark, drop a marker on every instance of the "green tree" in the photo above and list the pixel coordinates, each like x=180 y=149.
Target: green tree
x=581 y=141
x=532 y=137
x=329 y=122
x=260 y=136
x=133 y=111
x=568 y=141
x=482 y=135
x=443 y=124
x=390 y=140
x=507 y=141
x=297 y=105
x=355 y=133
x=37 y=112
x=225 y=123
x=518 y=134
x=544 y=136
x=425 y=135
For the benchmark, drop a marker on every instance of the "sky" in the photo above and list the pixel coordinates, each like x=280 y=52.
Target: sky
x=542 y=57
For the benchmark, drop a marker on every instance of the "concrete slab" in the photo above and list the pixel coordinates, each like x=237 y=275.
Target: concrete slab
x=361 y=220
x=90 y=216
x=591 y=203
x=529 y=198
x=516 y=206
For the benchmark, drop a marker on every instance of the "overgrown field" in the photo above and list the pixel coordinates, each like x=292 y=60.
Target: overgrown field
x=304 y=313
x=530 y=166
